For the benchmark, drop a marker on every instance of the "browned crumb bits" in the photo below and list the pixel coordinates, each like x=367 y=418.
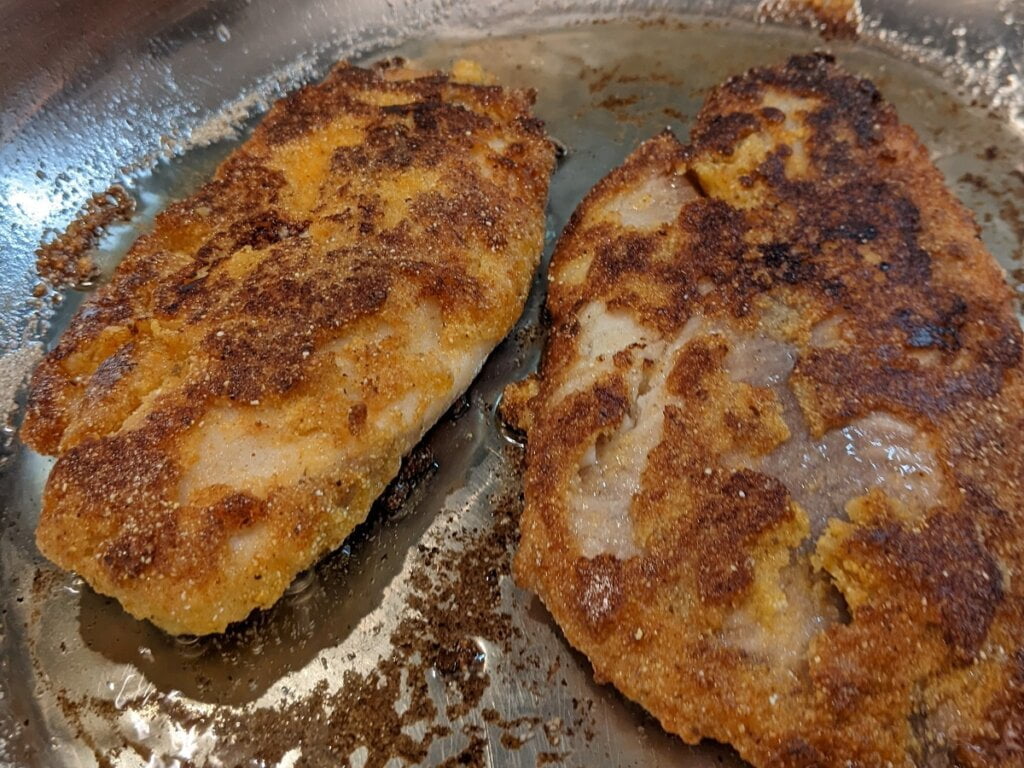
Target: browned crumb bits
x=834 y=19
x=66 y=260
x=453 y=611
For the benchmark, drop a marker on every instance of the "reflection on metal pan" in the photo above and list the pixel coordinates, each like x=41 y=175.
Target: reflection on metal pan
x=417 y=608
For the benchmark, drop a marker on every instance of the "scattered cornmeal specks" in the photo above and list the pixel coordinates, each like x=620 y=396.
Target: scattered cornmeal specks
x=454 y=609
x=66 y=260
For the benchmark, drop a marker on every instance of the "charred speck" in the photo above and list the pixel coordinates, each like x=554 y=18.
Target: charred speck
x=775 y=254
x=724 y=132
x=793 y=267
x=925 y=334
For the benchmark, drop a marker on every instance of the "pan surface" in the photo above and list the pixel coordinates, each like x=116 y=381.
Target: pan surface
x=411 y=644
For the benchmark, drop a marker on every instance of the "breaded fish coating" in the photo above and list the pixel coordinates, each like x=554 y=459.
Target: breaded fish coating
x=774 y=455
x=227 y=408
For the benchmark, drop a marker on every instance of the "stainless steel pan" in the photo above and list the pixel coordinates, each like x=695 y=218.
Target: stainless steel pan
x=153 y=95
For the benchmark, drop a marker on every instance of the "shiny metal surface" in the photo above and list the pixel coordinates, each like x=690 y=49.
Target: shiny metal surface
x=94 y=92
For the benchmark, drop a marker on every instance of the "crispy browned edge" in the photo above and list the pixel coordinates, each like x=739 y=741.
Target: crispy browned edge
x=937 y=620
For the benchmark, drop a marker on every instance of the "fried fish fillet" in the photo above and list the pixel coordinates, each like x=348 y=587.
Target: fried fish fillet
x=774 y=459
x=227 y=408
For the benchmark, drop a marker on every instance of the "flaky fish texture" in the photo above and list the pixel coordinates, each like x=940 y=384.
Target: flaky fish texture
x=227 y=408
x=774 y=455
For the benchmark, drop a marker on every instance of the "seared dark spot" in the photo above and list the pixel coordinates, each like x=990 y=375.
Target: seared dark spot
x=727 y=525
x=255 y=358
x=851 y=383
x=722 y=133
x=775 y=254
x=620 y=256
x=787 y=264
x=940 y=333
x=945 y=562
x=262 y=229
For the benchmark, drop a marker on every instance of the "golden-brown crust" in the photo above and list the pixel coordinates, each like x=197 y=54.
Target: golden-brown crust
x=323 y=297
x=822 y=224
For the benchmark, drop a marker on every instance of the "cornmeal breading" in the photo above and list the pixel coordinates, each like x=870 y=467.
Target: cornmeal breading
x=774 y=456
x=226 y=409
